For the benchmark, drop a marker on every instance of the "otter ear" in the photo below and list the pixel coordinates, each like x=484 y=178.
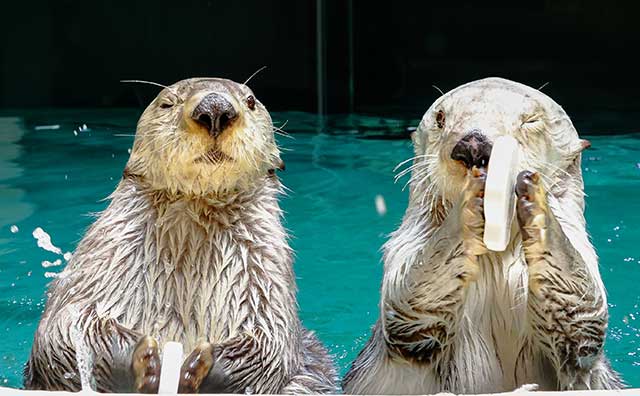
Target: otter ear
x=279 y=165
x=585 y=144
x=582 y=145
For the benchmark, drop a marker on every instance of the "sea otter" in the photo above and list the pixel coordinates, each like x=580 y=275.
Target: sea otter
x=190 y=249
x=456 y=317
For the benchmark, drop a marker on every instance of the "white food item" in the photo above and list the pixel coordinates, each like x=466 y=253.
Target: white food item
x=499 y=193
x=170 y=371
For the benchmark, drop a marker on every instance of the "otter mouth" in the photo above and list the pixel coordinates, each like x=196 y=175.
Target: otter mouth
x=213 y=156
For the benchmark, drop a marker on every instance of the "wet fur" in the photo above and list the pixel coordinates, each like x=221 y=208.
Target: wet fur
x=206 y=261
x=455 y=317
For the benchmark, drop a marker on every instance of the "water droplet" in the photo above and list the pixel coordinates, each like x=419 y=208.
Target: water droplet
x=14 y=229
x=381 y=206
x=44 y=241
x=47 y=264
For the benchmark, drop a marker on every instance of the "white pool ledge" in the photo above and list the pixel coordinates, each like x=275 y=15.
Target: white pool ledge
x=635 y=392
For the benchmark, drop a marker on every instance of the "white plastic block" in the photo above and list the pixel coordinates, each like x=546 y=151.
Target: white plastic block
x=499 y=193
x=170 y=373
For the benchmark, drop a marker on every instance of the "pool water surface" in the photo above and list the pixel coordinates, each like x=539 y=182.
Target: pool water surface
x=57 y=168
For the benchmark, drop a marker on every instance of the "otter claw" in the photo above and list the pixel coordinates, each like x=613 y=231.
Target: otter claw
x=146 y=365
x=527 y=184
x=195 y=368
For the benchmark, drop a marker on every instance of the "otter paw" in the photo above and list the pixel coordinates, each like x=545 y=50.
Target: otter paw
x=145 y=365
x=531 y=207
x=473 y=212
x=196 y=368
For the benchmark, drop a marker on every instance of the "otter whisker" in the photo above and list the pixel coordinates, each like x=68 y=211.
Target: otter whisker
x=553 y=168
x=429 y=189
x=543 y=85
x=407 y=170
x=279 y=131
x=411 y=159
x=418 y=171
x=438 y=89
x=153 y=83
x=418 y=176
x=284 y=124
x=253 y=75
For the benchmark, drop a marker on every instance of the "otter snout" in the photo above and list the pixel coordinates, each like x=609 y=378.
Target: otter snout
x=215 y=113
x=474 y=149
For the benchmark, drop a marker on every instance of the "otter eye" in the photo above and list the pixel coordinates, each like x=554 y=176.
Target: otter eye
x=166 y=105
x=531 y=120
x=440 y=119
x=251 y=102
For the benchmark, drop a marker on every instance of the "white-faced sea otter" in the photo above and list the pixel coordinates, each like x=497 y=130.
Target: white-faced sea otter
x=456 y=317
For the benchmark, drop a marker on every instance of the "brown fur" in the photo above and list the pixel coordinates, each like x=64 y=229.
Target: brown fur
x=191 y=251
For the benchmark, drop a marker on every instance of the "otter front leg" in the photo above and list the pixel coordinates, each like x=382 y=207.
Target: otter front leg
x=569 y=317
x=423 y=297
x=238 y=365
x=122 y=360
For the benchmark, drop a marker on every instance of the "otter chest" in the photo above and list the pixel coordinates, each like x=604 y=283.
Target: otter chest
x=194 y=284
x=496 y=314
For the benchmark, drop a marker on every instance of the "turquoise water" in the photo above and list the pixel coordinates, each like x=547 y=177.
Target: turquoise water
x=55 y=178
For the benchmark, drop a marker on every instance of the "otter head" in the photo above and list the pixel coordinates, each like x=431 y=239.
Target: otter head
x=204 y=136
x=458 y=131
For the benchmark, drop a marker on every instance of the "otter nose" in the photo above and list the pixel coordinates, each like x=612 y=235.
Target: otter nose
x=215 y=113
x=473 y=149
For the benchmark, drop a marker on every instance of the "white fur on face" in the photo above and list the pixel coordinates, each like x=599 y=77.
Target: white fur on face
x=174 y=153
x=549 y=142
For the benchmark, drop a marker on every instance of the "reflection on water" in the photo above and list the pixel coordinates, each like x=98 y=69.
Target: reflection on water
x=15 y=208
x=338 y=170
